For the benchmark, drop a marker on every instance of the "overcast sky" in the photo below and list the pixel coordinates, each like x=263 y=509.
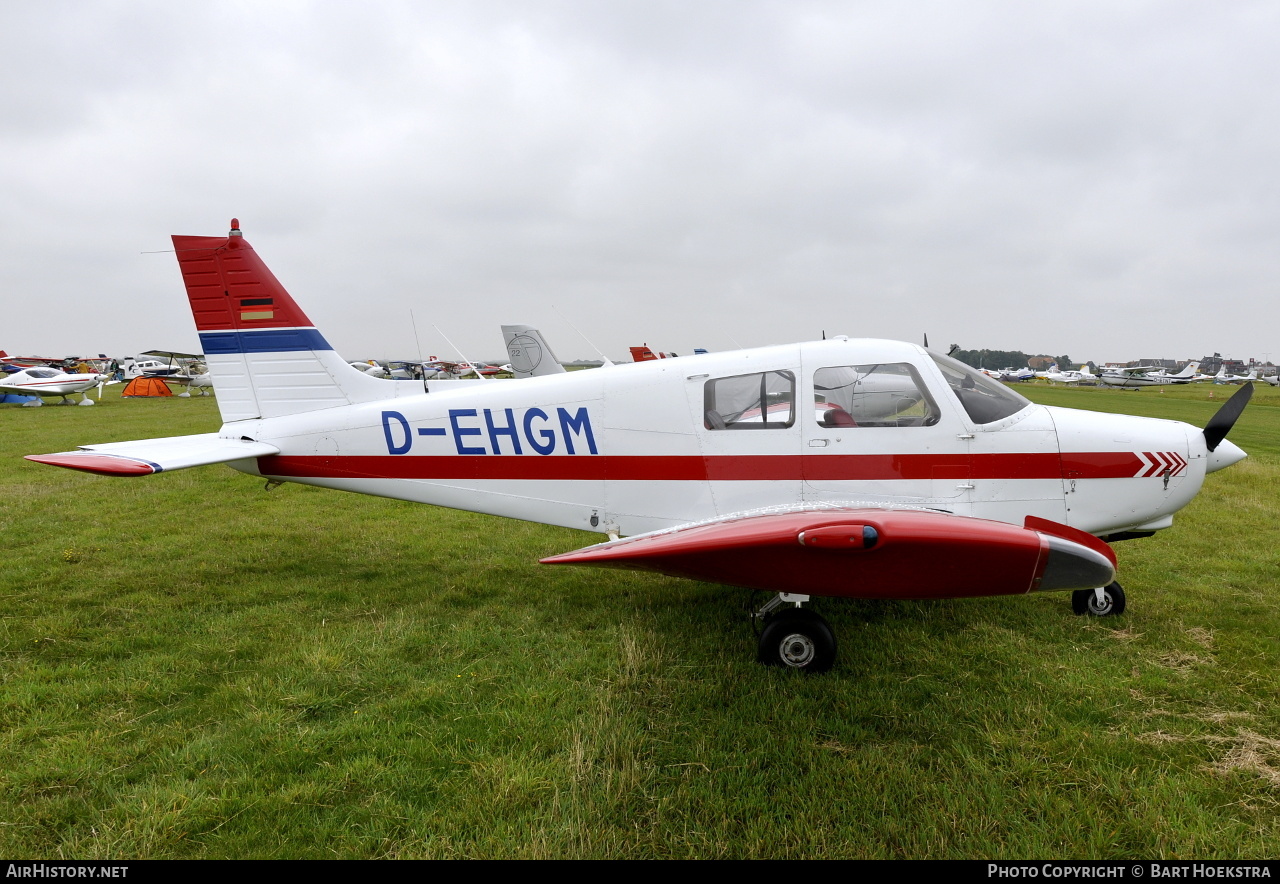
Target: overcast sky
x=1090 y=178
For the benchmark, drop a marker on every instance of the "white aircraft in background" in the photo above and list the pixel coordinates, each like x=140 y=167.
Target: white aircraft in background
x=369 y=367
x=1222 y=377
x=1070 y=376
x=179 y=368
x=52 y=382
x=1147 y=376
x=1186 y=375
x=843 y=468
x=132 y=367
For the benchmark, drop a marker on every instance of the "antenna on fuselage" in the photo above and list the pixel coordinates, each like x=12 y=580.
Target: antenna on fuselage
x=416 y=340
x=606 y=360
x=461 y=355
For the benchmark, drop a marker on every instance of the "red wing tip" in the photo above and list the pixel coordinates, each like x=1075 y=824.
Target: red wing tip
x=1066 y=532
x=562 y=559
x=102 y=464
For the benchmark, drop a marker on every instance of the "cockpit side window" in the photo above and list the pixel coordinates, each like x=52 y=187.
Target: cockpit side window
x=879 y=395
x=762 y=401
x=983 y=399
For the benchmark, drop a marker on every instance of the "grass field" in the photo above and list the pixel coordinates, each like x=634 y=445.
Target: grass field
x=192 y=666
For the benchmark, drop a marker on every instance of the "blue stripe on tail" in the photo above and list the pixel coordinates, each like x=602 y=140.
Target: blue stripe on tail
x=267 y=340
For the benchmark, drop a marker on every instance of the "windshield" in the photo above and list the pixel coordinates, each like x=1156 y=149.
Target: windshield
x=984 y=400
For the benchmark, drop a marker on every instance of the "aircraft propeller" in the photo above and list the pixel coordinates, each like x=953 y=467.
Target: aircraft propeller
x=1225 y=417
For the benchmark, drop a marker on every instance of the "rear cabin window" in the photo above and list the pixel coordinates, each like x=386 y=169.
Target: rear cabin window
x=763 y=401
x=984 y=400
x=880 y=395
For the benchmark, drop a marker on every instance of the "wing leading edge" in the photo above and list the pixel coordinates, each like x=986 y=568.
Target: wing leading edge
x=149 y=456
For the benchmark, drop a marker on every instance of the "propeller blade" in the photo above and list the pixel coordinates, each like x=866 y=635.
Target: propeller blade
x=1225 y=418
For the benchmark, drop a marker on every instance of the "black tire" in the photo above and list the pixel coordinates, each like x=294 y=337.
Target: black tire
x=1085 y=601
x=798 y=639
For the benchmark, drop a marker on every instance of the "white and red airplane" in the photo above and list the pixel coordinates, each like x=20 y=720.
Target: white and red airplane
x=52 y=382
x=846 y=468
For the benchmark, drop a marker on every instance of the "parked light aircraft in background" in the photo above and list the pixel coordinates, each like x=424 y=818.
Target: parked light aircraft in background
x=644 y=354
x=1070 y=376
x=21 y=362
x=1189 y=373
x=846 y=468
x=1147 y=376
x=52 y=382
x=1223 y=377
x=446 y=370
x=154 y=368
x=177 y=368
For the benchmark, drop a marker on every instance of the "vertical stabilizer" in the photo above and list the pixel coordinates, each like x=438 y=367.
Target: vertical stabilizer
x=530 y=354
x=265 y=357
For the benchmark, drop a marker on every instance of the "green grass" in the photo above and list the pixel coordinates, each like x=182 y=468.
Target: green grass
x=192 y=666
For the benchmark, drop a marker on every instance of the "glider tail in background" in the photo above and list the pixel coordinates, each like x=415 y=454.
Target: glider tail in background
x=265 y=356
x=529 y=352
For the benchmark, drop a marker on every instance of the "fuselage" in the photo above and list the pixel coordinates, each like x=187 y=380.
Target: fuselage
x=645 y=446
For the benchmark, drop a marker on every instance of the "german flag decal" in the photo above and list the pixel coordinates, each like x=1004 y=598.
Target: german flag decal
x=247 y=312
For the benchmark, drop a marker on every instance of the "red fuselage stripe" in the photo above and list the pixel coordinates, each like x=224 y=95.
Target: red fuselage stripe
x=746 y=468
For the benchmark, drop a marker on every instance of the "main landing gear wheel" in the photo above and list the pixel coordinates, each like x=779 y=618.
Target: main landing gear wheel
x=1086 y=601
x=798 y=639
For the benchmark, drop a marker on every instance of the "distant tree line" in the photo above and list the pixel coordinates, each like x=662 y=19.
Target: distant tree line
x=1010 y=359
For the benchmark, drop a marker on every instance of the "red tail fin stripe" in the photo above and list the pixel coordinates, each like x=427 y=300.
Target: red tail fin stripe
x=231 y=289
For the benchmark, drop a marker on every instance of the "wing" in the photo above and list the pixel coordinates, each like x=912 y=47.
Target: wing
x=870 y=553
x=156 y=455
x=172 y=354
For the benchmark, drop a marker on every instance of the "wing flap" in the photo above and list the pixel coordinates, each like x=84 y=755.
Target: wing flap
x=147 y=456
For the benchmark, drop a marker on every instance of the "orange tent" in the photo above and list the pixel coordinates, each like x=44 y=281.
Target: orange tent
x=145 y=386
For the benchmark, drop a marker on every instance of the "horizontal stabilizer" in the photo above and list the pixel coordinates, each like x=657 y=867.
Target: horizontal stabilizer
x=868 y=553
x=149 y=456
